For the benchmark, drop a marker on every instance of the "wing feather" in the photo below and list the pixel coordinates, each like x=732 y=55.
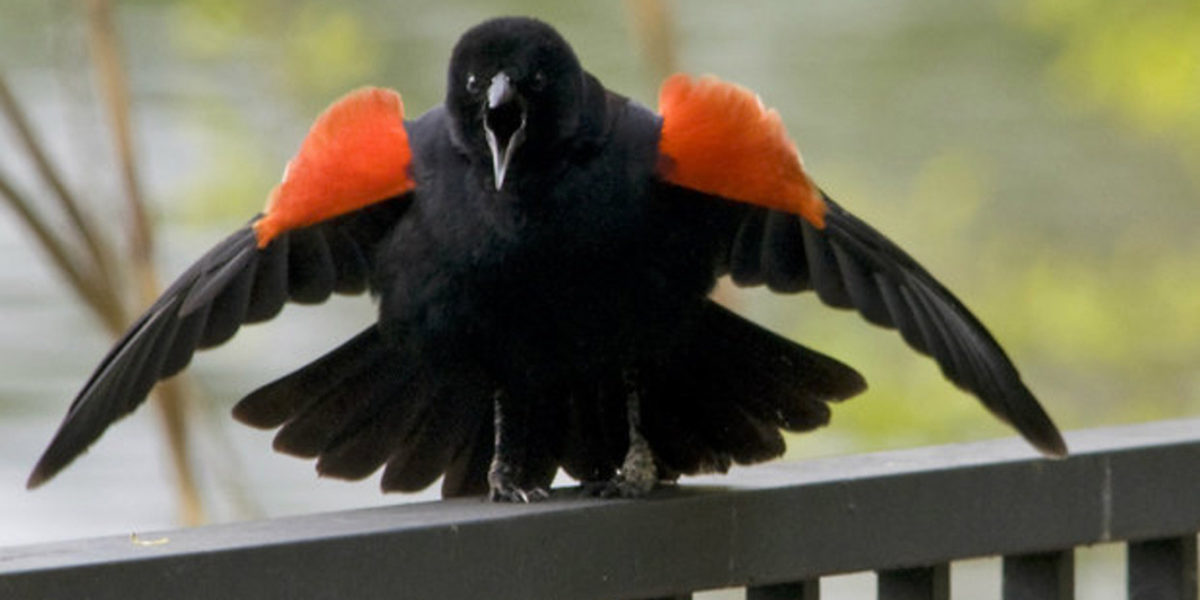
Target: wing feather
x=851 y=265
x=234 y=283
x=341 y=193
x=717 y=140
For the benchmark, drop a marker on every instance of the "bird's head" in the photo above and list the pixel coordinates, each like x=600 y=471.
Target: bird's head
x=515 y=91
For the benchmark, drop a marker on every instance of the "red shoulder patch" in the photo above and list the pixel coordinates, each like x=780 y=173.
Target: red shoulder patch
x=719 y=139
x=355 y=154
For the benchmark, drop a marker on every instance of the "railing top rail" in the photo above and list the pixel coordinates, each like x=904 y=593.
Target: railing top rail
x=770 y=523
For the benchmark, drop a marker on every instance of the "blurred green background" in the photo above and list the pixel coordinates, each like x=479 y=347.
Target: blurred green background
x=1042 y=159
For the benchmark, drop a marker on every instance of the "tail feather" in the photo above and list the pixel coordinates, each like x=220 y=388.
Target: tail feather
x=426 y=450
x=732 y=387
x=722 y=399
x=445 y=422
x=750 y=439
x=673 y=425
x=467 y=473
x=312 y=429
x=366 y=442
x=362 y=406
x=275 y=403
x=544 y=443
x=596 y=431
x=419 y=461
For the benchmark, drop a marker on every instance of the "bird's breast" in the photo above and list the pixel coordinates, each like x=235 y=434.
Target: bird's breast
x=566 y=294
x=563 y=269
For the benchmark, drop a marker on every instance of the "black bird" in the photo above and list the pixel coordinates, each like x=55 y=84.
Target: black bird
x=542 y=251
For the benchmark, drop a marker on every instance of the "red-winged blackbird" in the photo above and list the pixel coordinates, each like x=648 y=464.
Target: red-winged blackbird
x=542 y=250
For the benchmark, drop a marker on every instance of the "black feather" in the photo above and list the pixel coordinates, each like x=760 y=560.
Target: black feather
x=228 y=309
x=850 y=265
x=273 y=404
x=353 y=269
x=596 y=425
x=311 y=272
x=213 y=273
x=782 y=260
x=183 y=345
x=823 y=268
x=372 y=434
x=233 y=283
x=745 y=257
x=467 y=473
x=423 y=455
x=732 y=386
x=861 y=287
x=900 y=312
x=316 y=423
x=270 y=290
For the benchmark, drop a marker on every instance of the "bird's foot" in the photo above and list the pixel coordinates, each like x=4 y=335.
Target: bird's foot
x=619 y=487
x=517 y=495
x=503 y=486
x=638 y=475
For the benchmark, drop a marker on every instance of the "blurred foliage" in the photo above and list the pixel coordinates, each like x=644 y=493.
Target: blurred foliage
x=1137 y=309
x=1103 y=314
x=324 y=48
x=1139 y=61
x=308 y=49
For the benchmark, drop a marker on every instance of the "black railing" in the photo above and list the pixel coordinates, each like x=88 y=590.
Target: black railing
x=774 y=529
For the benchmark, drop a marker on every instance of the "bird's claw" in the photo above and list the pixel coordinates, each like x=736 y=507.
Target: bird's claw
x=514 y=494
x=639 y=473
x=503 y=486
x=619 y=486
x=638 y=476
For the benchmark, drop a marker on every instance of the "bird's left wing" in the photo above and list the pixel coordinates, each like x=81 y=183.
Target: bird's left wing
x=344 y=190
x=717 y=139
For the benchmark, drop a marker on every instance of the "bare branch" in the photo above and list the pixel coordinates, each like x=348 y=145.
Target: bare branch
x=114 y=86
x=172 y=396
x=95 y=294
x=100 y=252
x=651 y=22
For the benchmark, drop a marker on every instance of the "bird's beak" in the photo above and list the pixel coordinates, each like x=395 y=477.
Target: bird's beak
x=503 y=124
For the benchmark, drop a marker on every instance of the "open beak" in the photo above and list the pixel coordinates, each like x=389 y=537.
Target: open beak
x=503 y=124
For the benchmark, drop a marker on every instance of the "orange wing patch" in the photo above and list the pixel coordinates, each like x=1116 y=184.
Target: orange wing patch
x=719 y=139
x=355 y=154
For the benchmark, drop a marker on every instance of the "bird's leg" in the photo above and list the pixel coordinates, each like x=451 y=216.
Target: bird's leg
x=638 y=474
x=504 y=475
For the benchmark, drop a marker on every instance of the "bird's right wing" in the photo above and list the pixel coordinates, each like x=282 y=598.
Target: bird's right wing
x=340 y=195
x=718 y=140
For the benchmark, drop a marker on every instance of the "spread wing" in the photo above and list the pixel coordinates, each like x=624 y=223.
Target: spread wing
x=717 y=139
x=340 y=196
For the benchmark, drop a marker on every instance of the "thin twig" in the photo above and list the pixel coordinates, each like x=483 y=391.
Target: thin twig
x=95 y=294
x=172 y=398
x=100 y=252
x=115 y=88
x=652 y=23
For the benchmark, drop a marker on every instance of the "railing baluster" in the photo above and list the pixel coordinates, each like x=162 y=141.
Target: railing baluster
x=923 y=583
x=1162 y=569
x=1043 y=576
x=803 y=590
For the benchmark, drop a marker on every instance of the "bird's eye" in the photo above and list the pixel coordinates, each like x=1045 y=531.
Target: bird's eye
x=538 y=82
x=473 y=85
